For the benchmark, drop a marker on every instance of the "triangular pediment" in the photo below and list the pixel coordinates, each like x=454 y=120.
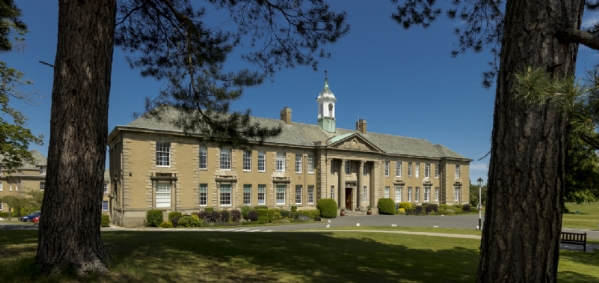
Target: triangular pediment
x=355 y=142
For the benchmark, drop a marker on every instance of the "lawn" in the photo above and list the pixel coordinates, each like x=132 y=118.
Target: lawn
x=587 y=219
x=279 y=257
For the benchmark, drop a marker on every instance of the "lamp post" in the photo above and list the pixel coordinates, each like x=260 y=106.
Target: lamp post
x=480 y=206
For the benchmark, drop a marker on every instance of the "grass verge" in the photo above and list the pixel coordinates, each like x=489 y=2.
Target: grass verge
x=587 y=219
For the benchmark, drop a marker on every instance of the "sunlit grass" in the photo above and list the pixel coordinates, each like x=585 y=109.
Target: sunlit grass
x=587 y=219
x=280 y=257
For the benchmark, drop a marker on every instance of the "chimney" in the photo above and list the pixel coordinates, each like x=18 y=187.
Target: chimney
x=361 y=126
x=286 y=115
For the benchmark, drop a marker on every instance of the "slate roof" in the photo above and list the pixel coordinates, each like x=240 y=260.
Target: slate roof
x=307 y=135
x=40 y=160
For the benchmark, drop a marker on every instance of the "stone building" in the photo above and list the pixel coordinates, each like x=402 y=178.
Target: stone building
x=154 y=165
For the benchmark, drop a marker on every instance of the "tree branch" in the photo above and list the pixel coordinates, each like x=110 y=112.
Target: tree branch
x=578 y=36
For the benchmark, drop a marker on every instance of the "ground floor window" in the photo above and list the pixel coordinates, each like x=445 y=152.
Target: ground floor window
x=298 y=194
x=364 y=194
x=225 y=194
x=427 y=192
x=43 y=186
x=280 y=196
x=247 y=194
x=386 y=192
x=410 y=194
x=333 y=192
x=310 y=194
x=417 y=194
x=105 y=205
x=436 y=193
x=261 y=194
x=163 y=195
x=1 y=205
x=203 y=194
x=456 y=194
x=397 y=194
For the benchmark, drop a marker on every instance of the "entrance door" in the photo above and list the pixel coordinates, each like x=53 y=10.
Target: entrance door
x=348 y=198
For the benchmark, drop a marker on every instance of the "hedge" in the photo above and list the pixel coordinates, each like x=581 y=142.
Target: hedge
x=312 y=213
x=268 y=215
x=166 y=225
x=327 y=207
x=154 y=218
x=407 y=206
x=189 y=221
x=174 y=214
x=105 y=220
x=386 y=206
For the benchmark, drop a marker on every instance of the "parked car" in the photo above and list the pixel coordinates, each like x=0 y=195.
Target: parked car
x=36 y=219
x=30 y=216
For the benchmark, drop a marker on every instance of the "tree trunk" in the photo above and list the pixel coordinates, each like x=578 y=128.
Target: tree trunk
x=69 y=234
x=520 y=241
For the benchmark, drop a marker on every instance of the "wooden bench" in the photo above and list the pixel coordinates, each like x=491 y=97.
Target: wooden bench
x=574 y=239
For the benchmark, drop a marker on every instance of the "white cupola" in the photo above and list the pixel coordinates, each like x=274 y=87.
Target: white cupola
x=326 y=108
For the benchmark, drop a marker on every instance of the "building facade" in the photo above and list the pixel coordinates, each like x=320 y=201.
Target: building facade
x=154 y=165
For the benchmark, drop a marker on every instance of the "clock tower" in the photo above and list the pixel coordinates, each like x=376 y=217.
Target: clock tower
x=326 y=108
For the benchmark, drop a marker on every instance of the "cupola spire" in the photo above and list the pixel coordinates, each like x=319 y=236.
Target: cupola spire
x=326 y=106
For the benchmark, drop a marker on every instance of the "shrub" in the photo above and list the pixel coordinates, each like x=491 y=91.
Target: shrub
x=425 y=204
x=432 y=208
x=386 y=206
x=268 y=215
x=189 y=221
x=449 y=211
x=105 y=220
x=174 y=214
x=466 y=207
x=401 y=210
x=236 y=215
x=4 y=214
x=225 y=216
x=473 y=209
x=154 y=217
x=260 y=207
x=294 y=208
x=312 y=213
x=327 y=207
x=175 y=221
x=285 y=213
x=210 y=217
x=418 y=209
x=253 y=215
x=245 y=210
x=407 y=206
x=208 y=209
x=166 y=225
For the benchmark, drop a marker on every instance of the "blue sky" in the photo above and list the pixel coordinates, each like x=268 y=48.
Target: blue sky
x=402 y=82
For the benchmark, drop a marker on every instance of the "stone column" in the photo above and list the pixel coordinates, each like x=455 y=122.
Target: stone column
x=342 y=184
x=359 y=196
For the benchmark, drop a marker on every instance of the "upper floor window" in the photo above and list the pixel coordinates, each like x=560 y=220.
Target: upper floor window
x=387 y=168
x=163 y=154
x=280 y=162
x=104 y=205
x=398 y=168
x=457 y=171
x=427 y=170
x=43 y=170
x=417 y=169
x=105 y=188
x=409 y=169
x=247 y=160
x=225 y=159
x=298 y=163
x=261 y=161
x=437 y=170
x=42 y=186
x=365 y=170
x=203 y=158
x=348 y=167
x=310 y=164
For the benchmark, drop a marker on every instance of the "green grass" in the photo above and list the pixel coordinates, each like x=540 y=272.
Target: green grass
x=408 y=229
x=587 y=219
x=278 y=257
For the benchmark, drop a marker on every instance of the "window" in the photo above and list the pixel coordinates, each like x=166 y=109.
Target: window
x=261 y=194
x=386 y=168
x=105 y=188
x=261 y=161
x=456 y=194
x=280 y=162
x=247 y=160
x=417 y=194
x=1 y=205
x=386 y=192
x=310 y=164
x=364 y=194
x=298 y=194
x=397 y=168
x=203 y=158
x=163 y=195
x=333 y=192
x=365 y=169
x=43 y=170
x=104 y=205
x=247 y=194
x=417 y=170
x=410 y=194
x=163 y=154
x=298 y=163
x=280 y=194
x=1 y=186
x=332 y=167
x=427 y=192
x=225 y=194
x=348 y=167
x=310 y=194
x=457 y=171
x=436 y=193
x=398 y=194
x=203 y=194
x=427 y=170
x=225 y=159
x=42 y=186
x=409 y=169
x=437 y=170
